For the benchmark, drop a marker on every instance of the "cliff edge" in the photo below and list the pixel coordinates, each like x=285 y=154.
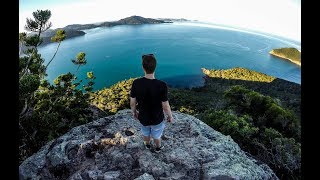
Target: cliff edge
x=112 y=148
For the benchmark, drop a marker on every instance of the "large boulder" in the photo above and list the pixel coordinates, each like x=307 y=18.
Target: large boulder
x=112 y=148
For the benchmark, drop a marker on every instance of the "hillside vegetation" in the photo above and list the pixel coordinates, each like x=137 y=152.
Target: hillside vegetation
x=291 y=54
x=238 y=73
x=114 y=98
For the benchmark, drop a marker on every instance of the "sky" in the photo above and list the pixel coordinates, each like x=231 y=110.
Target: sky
x=278 y=17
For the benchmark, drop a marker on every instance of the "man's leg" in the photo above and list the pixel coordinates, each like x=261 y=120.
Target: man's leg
x=146 y=139
x=156 y=132
x=146 y=131
x=157 y=142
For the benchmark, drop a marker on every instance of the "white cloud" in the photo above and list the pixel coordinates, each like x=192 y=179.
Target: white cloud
x=280 y=17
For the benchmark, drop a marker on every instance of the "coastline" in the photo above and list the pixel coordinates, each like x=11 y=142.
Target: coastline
x=282 y=57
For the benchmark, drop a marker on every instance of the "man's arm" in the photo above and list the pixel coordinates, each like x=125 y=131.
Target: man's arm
x=133 y=105
x=167 y=110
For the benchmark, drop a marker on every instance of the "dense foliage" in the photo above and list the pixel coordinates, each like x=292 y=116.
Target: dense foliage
x=241 y=128
x=292 y=54
x=265 y=111
x=238 y=73
x=261 y=127
x=112 y=99
x=46 y=110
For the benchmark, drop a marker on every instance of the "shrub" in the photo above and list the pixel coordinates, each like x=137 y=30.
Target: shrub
x=265 y=111
x=241 y=129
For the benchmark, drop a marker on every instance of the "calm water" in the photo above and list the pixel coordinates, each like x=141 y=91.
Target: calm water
x=181 y=49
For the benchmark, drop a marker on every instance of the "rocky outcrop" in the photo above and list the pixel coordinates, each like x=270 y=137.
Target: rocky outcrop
x=112 y=148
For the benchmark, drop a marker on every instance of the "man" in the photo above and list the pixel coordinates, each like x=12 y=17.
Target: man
x=151 y=95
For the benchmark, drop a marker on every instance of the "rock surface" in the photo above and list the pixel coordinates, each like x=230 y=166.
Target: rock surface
x=112 y=148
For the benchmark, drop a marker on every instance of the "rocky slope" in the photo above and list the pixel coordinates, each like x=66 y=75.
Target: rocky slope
x=112 y=148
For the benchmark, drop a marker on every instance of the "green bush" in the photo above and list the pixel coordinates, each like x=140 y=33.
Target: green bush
x=28 y=84
x=287 y=153
x=268 y=134
x=241 y=129
x=265 y=111
x=282 y=154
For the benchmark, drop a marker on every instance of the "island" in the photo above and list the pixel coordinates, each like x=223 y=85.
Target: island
x=132 y=20
x=170 y=20
x=70 y=33
x=291 y=54
x=75 y=30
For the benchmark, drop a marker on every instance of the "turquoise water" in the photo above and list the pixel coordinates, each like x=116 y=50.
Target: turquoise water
x=181 y=49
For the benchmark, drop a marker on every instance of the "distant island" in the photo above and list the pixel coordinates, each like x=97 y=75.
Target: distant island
x=75 y=30
x=291 y=54
x=169 y=20
x=132 y=20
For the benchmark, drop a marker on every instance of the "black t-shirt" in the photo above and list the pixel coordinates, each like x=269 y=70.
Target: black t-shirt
x=149 y=94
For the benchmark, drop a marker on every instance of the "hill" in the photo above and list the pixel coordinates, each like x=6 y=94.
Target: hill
x=291 y=54
x=70 y=33
x=132 y=20
x=46 y=36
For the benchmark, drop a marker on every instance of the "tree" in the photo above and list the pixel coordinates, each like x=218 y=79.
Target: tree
x=33 y=63
x=80 y=60
x=22 y=37
x=59 y=37
x=39 y=24
x=48 y=110
x=90 y=77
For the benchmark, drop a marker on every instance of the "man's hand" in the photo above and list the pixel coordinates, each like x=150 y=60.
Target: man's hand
x=169 y=118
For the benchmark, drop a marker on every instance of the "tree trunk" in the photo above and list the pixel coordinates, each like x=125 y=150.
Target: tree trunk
x=24 y=108
x=53 y=55
x=20 y=47
x=77 y=69
x=26 y=68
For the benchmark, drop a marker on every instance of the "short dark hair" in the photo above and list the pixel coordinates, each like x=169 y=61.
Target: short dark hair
x=149 y=63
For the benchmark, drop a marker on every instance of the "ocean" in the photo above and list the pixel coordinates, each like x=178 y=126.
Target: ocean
x=181 y=50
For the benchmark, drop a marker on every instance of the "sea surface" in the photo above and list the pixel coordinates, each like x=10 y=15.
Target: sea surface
x=181 y=49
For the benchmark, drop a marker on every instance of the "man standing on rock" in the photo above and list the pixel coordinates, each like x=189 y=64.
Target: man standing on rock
x=149 y=102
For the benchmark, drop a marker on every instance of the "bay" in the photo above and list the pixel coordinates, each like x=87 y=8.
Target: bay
x=181 y=49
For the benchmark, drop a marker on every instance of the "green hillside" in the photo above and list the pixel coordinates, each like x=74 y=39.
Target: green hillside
x=291 y=54
x=238 y=73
